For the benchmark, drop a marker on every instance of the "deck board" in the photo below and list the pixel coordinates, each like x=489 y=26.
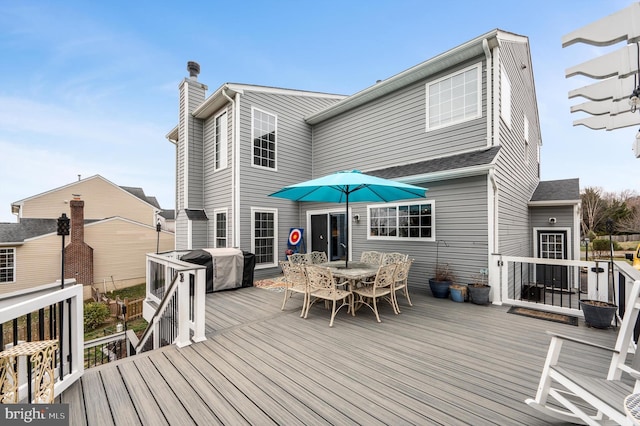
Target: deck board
x=438 y=362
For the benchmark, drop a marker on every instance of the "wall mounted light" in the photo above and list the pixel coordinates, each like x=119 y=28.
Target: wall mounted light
x=356 y=218
x=552 y=220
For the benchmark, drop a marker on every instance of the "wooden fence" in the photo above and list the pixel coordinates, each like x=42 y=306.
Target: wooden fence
x=132 y=307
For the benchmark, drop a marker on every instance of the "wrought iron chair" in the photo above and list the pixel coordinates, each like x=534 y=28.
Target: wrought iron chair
x=371 y=257
x=396 y=257
x=295 y=281
x=400 y=282
x=318 y=257
x=299 y=258
x=381 y=286
x=322 y=286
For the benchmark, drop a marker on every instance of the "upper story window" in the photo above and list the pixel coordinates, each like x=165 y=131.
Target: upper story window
x=402 y=221
x=505 y=98
x=7 y=265
x=220 y=143
x=263 y=131
x=455 y=98
x=221 y=228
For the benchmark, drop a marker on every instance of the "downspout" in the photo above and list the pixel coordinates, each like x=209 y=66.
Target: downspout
x=495 y=278
x=487 y=54
x=235 y=174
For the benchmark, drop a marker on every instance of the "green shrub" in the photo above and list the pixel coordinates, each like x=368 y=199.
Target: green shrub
x=95 y=314
x=600 y=245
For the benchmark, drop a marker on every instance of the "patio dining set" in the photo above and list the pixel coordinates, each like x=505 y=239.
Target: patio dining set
x=377 y=276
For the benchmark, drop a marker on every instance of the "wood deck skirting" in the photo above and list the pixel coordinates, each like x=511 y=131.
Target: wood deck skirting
x=438 y=362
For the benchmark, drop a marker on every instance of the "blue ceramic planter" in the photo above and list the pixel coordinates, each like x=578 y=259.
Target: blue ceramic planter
x=439 y=289
x=458 y=293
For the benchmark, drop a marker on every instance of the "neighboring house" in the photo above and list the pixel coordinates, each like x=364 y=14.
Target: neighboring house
x=112 y=230
x=463 y=124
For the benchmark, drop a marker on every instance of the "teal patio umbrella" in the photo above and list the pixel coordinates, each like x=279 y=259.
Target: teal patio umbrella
x=349 y=186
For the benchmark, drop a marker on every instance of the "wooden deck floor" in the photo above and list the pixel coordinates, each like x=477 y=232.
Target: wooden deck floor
x=438 y=362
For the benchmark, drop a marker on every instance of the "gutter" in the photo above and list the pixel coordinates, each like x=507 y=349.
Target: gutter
x=448 y=174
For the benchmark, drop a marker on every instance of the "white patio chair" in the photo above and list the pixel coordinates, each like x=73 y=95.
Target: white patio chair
x=295 y=281
x=382 y=286
x=317 y=257
x=400 y=282
x=371 y=257
x=322 y=286
x=299 y=258
x=396 y=257
x=569 y=395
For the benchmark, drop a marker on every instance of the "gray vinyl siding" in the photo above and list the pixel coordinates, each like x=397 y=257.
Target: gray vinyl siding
x=218 y=184
x=460 y=220
x=182 y=242
x=392 y=131
x=196 y=166
x=516 y=179
x=199 y=234
x=293 y=157
x=540 y=216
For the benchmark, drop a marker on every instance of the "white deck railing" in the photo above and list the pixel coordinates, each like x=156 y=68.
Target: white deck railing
x=175 y=302
x=559 y=285
x=44 y=313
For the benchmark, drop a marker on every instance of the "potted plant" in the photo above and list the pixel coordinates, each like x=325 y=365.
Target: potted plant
x=479 y=290
x=440 y=283
x=443 y=278
x=597 y=313
x=458 y=292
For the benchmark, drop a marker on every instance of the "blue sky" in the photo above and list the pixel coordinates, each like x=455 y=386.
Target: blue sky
x=91 y=88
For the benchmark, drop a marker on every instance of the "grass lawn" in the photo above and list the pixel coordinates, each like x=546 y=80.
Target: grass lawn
x=138 y=325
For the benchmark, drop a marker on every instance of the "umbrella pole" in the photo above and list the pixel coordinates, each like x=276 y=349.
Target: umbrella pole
x=346 y=227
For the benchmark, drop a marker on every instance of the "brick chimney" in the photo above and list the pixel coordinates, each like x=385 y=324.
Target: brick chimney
x=78 y=254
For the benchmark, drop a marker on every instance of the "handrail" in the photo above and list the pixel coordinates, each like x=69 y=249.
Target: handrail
x=41 y=307
x=161 y=308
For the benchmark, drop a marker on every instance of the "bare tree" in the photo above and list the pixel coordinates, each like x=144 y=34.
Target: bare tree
x=593 y=208
x=631 y=223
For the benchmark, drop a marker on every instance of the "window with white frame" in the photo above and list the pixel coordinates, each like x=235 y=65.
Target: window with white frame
x=220 y=228
x=7 y=265
x=264 y=242
x=263 y=133
x=505 y=98
x=455 y=98
x=401 y=221
x=221 y=141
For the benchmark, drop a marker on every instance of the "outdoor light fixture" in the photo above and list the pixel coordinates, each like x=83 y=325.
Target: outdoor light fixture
x=158 y=229
x=63 y=229
x=356 y=218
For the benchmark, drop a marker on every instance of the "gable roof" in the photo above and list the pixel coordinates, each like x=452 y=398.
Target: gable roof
x=452 y=57
x=458 y=165
x=139 y=192
x=135 y=191
x=564 y=191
